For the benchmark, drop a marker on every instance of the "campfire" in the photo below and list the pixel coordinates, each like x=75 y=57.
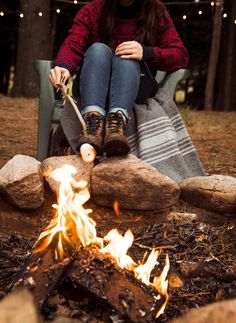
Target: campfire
x=70 y=242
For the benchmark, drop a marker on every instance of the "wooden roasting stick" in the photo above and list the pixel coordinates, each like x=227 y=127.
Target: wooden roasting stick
x=87 y=151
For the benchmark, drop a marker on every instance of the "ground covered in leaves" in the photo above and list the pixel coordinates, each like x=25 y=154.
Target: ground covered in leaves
x=207 y=242
x=211 y=248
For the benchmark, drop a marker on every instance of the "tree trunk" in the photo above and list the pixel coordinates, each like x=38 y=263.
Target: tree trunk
x=214 y=55
x=34 y=39
x=227 y=82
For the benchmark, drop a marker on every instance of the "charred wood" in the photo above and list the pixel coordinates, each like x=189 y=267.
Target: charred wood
x=97 y=274
x=191 y=269
x=42 y=274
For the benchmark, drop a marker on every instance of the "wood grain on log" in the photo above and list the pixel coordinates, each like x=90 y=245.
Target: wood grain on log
x=95 y=273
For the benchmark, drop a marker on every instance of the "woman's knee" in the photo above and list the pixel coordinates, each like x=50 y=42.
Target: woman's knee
x=99 y=51
x=127 y=64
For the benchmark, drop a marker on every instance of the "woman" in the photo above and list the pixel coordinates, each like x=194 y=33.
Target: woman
x=118 y=45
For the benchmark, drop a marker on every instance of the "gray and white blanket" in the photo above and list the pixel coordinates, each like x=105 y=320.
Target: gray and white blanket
x=156 y=134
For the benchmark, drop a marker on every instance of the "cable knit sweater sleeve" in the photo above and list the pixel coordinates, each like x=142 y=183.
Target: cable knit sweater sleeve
x=72 y=50
x=170 y=53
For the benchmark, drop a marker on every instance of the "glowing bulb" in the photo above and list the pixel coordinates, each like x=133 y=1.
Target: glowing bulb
x=184 y=17
x=21 y=15
x=200 y=12
x=225 y=15
x=212 y=3
x=1 y=13
x=75 y=1
x=40 y=13
x=58 y=10
x=235 y=21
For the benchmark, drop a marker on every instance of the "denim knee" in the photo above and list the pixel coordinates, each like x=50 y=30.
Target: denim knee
x=99 y=51
x=129 y=64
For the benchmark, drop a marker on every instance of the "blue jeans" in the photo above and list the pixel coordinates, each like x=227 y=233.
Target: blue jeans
x=108 y=83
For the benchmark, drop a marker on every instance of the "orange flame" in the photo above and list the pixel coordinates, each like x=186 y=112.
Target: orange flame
x=143 y=271
x=116 y=208
x=161 y=285
x=72 y=225
x=118 y=246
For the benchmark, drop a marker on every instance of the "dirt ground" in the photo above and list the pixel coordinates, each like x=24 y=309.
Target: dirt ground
x=213 y=134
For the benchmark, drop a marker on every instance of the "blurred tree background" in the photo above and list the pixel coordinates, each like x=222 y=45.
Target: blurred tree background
x=35 y=29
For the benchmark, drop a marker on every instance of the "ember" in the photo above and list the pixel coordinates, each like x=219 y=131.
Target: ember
x=72 y=226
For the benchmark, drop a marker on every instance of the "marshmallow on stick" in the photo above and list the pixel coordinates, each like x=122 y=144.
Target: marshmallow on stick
x=88 y=153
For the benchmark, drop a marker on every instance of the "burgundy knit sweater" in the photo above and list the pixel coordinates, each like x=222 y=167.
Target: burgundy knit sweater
x=168 y=55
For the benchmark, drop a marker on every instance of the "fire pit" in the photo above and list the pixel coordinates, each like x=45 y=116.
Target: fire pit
x=77 y=273
x=70 y=247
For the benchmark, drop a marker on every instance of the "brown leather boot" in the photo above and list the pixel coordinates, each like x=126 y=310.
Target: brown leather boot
x=94 y=135
x=115 y=141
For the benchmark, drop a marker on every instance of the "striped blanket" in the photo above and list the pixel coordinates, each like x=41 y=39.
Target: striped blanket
x=156 y=134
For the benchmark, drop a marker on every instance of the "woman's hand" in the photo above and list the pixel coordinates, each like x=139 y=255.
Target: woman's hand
x=58 y=74
x=130 y=50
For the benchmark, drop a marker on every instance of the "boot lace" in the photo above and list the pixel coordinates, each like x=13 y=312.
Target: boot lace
x=116 y=122
x=94 y=124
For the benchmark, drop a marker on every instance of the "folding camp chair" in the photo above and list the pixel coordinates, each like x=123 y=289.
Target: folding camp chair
x=50 y=106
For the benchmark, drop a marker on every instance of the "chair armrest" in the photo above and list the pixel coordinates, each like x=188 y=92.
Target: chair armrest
x=46 y=105
x=169 y=81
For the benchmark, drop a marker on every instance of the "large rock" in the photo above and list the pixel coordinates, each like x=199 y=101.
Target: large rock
x=19 y=307
x=220 y=312
x=215 y=193
x=21 y=182
x=133 y=183
x=50 y=164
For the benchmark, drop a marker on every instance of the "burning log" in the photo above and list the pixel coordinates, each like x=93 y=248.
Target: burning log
x=135 y=294
x=42 y=275
x=97 y=275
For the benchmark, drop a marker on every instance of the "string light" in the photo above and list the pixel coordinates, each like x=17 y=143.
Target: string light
x=184 y=16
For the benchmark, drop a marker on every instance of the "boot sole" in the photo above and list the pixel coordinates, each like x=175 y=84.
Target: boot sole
x=116 y=147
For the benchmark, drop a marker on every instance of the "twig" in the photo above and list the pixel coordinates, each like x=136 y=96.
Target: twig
x=142 y=246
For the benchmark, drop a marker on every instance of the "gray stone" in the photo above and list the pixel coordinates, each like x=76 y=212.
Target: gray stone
x=216 y=193
x=182 y=217
x=19 y=307
x=219 y=312
x=21 y=182
x=133 y=183
x=50 y=164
